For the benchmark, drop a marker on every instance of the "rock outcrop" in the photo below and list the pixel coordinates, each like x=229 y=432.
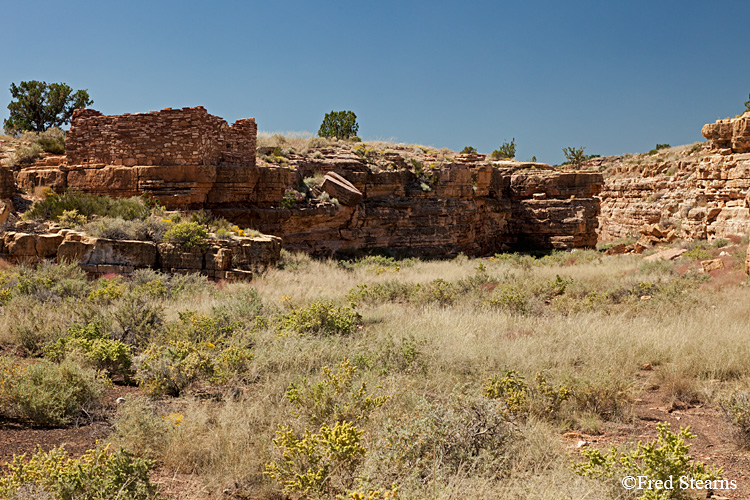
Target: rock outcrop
x=219 y=259
x=432 y=205
x=476 y=209
x=699 y=191
x=731 y=135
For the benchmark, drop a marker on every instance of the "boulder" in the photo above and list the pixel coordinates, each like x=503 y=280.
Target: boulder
x=668 y=254
x=341 y=189
x=712 y=265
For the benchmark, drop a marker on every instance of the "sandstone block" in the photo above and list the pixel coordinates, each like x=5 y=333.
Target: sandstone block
x=712 y=265
x=173 y=257
x=341 y=189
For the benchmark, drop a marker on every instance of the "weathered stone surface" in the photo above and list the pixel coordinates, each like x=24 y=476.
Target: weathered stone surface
x=6 y=208
x=174 y=257
x=668 y=254
x=341 y=189
x=166 y=137
x=7 y=183
x=731 y=134
x=99 y=256
x=712 y=265
x=704 y=196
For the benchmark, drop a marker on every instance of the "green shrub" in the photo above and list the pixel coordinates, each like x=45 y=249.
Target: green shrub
x=511 y=298
x=87 y=205
x=506 y=151
x=97 y=475
x=468 y=150
x=46 y=393
x=318 y=465
x=339 y=124
x=139 y=319
x=52 y=141
x=94 y=345
x=576 y=156
x=658 y=148
x=107 y=291
x=172 y=367
x=290 y=199
x=661 y=460
x=50 y=282
x=319 y=318
x=34 y=324
x=70 y=219
x=335 y=398
x=521 y=399
x=25 y=155
x=698 y=252
x=186 y=234
x=151 y=229
x=388 y=291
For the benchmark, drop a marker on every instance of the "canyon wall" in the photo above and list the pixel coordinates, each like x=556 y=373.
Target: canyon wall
x=473 y=208
x=700 y=190
x=187 y=159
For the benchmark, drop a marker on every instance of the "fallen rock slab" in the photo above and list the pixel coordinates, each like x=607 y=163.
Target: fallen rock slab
x=669 y=254
x=341 y=189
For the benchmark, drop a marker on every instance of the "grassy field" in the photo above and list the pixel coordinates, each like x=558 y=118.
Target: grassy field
x=326 y=379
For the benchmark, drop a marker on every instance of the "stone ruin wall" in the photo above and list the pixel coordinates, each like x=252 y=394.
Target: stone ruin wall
x=187 y=136
x=701 y=193
x=181 y=158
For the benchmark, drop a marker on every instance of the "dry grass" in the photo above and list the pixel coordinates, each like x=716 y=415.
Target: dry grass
x=585 y=322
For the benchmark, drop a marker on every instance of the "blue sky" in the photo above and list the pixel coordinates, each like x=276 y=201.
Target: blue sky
x=613 y=76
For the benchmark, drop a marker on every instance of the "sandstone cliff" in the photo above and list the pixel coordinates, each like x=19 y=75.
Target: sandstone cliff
x=699 y=190
x=403 y=199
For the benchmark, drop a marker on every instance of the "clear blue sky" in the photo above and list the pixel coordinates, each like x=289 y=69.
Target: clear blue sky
x=613 y=76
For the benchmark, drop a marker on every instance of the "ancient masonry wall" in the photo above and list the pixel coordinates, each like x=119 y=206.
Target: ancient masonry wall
x=187 y=136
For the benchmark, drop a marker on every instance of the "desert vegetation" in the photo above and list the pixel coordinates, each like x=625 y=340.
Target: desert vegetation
x=376 y=377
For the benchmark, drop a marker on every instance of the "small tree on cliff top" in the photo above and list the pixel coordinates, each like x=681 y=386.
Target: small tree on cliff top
x=340 y=124
x=575 y=155
x=37 y=106
x=747 y=104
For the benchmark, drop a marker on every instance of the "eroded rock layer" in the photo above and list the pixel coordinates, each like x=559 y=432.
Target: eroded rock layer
x=187 y=159
x=219 y=259
x=701 y=193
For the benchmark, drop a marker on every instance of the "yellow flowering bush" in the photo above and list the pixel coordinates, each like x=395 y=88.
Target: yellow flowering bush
x=335 y=398
x=317 y=465
x=97 y=475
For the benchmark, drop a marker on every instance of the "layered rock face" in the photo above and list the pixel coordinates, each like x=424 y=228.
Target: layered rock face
x=188 y=159
x=7 y=183
x=700 y=192
x=222 y=259
x=473 y=208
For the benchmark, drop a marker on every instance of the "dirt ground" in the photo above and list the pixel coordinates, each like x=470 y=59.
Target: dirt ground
x=714 y=443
